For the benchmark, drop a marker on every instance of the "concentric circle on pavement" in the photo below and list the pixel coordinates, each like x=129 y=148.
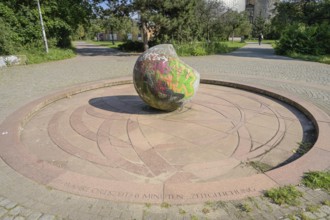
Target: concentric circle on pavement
x=102 y=141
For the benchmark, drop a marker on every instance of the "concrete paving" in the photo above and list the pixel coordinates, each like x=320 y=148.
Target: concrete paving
x=38 y=198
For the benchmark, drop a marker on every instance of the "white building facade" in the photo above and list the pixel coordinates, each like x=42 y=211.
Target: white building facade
x=237 y=5
x=263 y=8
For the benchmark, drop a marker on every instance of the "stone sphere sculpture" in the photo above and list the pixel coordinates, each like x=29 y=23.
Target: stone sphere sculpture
x=162 y=80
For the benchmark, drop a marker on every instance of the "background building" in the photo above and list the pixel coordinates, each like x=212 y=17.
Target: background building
x=263 y=8
x=237 y=5
x=255 y=8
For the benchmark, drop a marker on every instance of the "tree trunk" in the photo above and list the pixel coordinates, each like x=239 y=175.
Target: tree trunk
x=145 y=36
x=232 y=37
x=112 y=38
x=208 y=33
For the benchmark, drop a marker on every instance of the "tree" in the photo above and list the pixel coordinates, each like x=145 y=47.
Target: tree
x=259 y=26
x=234 y=21
x=209 y=12
x=178 y=21
x=163 y=19
x=95 y=27
x=115 y=17
x=145 y=9
x=9 y=25
x=80 y=33
x=61 y=18
x=300 y=11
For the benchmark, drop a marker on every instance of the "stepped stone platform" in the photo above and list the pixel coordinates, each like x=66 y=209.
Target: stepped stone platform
x=101 y=140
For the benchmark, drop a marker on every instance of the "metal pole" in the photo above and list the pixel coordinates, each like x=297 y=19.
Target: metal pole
x=43 y=28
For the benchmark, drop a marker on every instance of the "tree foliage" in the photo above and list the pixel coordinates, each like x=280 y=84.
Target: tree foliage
x=306 y=27
x=166 y=21
x=180 y=21
x=235 y=21
x=20 y=20
x=305 y=39
x=209 y=17
x=177 y=21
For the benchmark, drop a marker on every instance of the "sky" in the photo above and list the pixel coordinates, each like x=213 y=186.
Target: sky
x=103 y=5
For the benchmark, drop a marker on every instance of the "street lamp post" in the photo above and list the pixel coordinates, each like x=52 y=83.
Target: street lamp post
x=42 y=27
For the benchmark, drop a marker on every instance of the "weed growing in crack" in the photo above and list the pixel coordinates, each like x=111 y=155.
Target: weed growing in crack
x=317 y=180
x=284 y=195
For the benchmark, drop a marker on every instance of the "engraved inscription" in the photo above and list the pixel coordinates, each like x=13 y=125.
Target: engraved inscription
x=124 y=195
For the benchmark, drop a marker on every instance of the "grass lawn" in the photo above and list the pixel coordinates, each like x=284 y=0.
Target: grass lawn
x=272 y=42
x=203 y=48
x=189 y=49
x=321 y=58
x=106 y=43
x=233 y=45
x=35 y=56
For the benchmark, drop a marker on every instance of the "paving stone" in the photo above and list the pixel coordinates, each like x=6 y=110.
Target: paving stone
x=294 y=218
x=24 y=211
x=5 y=202
x=34 y=216
x=115 y=213
x=11 y=205
x=3 y=211
x=325 y=209
x=125 y=215
x=19 y=218
x=257 y=217
x=136 y=211
x=151 y=216
x=320 y=214
x=8 y=217
x=15 y=211
x=47 y=217
x=105 y=211
x=310 y=215
x=81 y=215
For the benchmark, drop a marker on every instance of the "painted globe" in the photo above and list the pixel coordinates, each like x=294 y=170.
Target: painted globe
x=162 y=80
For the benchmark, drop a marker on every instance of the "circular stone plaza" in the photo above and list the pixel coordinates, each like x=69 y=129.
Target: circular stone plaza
x=77 y=142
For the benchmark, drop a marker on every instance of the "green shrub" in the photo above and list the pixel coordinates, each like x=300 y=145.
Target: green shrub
x=183 y=49
x=303 y=39
x=326 y=202
x=9 y=40
x=135 y=46
x=198 y=51
x=205 y=48
x=188 y=49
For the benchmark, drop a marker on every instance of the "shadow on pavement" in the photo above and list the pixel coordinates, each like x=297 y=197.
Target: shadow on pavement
x=253 y=50
x=129 y=104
